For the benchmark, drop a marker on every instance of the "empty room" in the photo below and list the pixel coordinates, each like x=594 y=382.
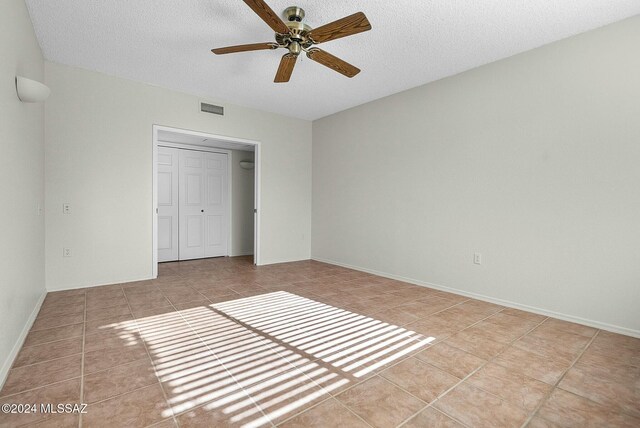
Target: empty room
x=367 y=214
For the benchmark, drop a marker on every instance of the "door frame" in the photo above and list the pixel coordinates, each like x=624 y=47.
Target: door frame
x=216 y=138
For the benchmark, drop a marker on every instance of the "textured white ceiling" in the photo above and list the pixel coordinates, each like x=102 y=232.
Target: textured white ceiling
x=168 y=42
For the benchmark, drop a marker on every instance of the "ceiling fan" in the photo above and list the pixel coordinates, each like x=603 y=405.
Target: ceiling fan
x=297 y=37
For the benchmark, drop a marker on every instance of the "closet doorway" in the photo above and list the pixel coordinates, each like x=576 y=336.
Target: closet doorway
x=205 y=196
x=193 y=203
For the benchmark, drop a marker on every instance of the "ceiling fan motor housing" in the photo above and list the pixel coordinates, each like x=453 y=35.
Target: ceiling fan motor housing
x=297 y=39
x=294 y=13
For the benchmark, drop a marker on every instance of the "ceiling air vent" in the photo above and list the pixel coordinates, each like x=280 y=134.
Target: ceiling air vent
x=210 y=108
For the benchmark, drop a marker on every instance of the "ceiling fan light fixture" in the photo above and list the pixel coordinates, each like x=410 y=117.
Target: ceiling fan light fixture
x=295 y=48
x=296 y=36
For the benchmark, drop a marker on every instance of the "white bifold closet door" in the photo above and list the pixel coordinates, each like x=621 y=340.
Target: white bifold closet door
x=193 y=204
x=168 y=160
x=203 y=205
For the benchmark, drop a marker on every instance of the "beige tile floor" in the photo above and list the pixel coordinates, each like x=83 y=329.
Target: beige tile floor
x=219 y=342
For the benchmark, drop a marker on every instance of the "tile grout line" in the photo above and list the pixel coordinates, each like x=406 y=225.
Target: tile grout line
x=58 y=326
x=351 y=411
x=122 y=393
x=555 y=385
x=104 y=370
x=313 y=380
x=377 y=374
x=435 y=409
x=84 y=328
x=344 y=406
x=394 y=364
x=155 y=372
x=440 y=396
x=320 y=403
x=293 y=367
x=225 y=368
x=330 y=396
x=410 y=356
x=463 y=379
x=48 y=361
x=213 y=354
x=41 y=386
x=49 y=343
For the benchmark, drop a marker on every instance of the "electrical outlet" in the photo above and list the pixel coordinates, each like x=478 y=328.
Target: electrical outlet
x=66 y=208
x=477 y=258
x=66 y=252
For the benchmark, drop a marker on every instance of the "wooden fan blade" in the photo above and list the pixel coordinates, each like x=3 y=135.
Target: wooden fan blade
x=333 y=62
x=347 y=26
x=285 y=69
x=244 y=48
x=268 y=15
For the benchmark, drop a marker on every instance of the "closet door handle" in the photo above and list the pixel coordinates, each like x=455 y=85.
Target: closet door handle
x=201 y=211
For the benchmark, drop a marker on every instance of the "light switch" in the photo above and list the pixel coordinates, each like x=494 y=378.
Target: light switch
x=66 y=208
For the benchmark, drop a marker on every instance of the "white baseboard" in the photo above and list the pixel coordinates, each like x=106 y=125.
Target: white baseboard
x=591 y=323
x=100 y=284
x=275 y=262
x=6 y=366
x=242 y=253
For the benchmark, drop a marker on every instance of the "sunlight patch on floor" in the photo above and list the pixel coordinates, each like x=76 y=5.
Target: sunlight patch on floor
x=261 y=358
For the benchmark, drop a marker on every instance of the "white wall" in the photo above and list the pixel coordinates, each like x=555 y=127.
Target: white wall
x=534 y=161
x=242 y=204
x=21 y=182
x=99 y=159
